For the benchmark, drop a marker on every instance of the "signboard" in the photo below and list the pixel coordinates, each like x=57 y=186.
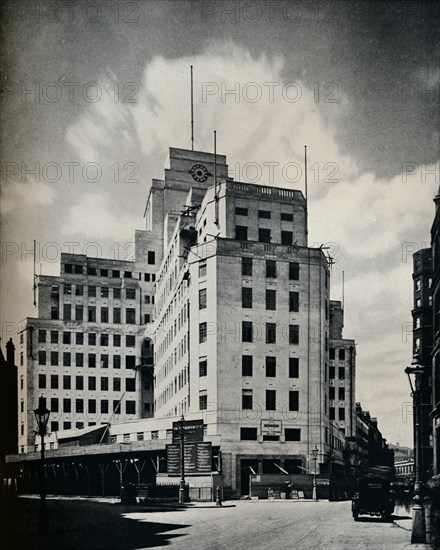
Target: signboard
x=192 y=431
x=322 y=481
x=197 y=458
x=271 y=427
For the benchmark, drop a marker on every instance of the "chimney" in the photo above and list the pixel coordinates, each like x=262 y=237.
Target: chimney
x=10 y=353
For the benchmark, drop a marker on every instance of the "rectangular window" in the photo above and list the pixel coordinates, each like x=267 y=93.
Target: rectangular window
x=203 y=367
x=331 y=373
x=332 y=353
x=42 y=381
x=104 y=406
x=104 y=360
x=202 y=298
x=264 y=214
x=271 y=299
x=202 y=270
x=104 y=315
x=130 y=293
x=67 y=382
x=117 y=340
x=117 y=293
x=246 y=267
x=151 y=257
x=67 y=289
x=292 y=434
x=203 y=402
x=92 y=383
x=271 y=268
x=116 y=384
x=68 y=268
x=54 y=314
x=294 y=271
x=248 y=434
x=341 y=413
x=271 y=333
x=66 y=337
x=116 y=406
x=79 y=405
x=79 y=290
x=130 y=407
x=54 y=337
x=293 y=367
x=104 y=383
x=66 y=359
x=41 y=336
x=104 y=292
x=130 y=384
x=293 y=401
x=116 y=315
x=246 y=297
x=246 y=399
x=104 y=272
x=67 y=313
x=41 y=357
x=202 y=332
x=331 y=393
x=271 y=398
x=116 y=361
x=54 y=358
x=79 y=269
x=79 y=359
x=342 y=354
x=79 y=382
x=67 y=405
x=128 y=274
x=79 y=313
x=294 y=301
x=287 y=238
x=246 y=365
x=92 y=339
x=331 y=413
x=246 y=329
x=241 y=232
x=341 y=394
x=92 y=406
x=130 y=341
x=341 y=373
x=286 y=217
x=92 y=314
x=241 y=211
x=264 y=235
x=54 y=405
x=79 y=338
x=103 y=340
x=271 y=367
x=92 y=360
x=130 y=316
x=293 y=334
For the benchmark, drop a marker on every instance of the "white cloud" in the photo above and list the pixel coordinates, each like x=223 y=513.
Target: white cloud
x=25 y=195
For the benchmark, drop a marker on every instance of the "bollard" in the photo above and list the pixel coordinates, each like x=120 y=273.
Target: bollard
x=218 y=501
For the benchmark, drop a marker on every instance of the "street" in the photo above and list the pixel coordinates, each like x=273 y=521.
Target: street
x=75 y=523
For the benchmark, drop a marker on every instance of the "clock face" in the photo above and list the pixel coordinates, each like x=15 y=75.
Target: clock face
x=199 y=172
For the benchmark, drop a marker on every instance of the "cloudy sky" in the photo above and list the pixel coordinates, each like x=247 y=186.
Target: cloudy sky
x=93 y=94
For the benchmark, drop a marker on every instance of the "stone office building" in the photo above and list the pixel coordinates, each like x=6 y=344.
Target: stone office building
x=85 y=351
x=241 y=331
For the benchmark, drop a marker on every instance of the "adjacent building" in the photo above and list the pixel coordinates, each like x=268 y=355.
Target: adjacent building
x=8 y=401
x=435 y=292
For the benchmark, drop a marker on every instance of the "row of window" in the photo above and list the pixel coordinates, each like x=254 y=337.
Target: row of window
x=271 y=269
x=249 y=333
x=67 y=338
x=247 y=400
x=130 y=360
x=251 y=434
x=341 y=354
x=332 y=373
x=130 y=314
x=104 y=291
x=332 y=413
x=79 y=269
x=271 y=299
x=130 y=383
x=264 y=214
x=247 y=366
x=66 y=404
x=332 y=393
x=264 y=235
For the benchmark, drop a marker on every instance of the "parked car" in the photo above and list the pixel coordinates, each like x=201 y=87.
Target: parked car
x=374 y=498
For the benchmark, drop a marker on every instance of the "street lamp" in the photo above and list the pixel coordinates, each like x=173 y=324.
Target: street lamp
x=42 y=417
x=182 y=461
x=415 y=374
x=315 y=452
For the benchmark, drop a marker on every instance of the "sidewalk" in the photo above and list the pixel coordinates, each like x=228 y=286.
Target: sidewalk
x=403 y=519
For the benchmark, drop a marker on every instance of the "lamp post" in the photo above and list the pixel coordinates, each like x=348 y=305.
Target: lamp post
x=416 y=372
x=182 y=461
x=315 y=452
x=42 y=417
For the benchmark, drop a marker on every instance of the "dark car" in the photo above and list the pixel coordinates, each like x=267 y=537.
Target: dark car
x=373 y=498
